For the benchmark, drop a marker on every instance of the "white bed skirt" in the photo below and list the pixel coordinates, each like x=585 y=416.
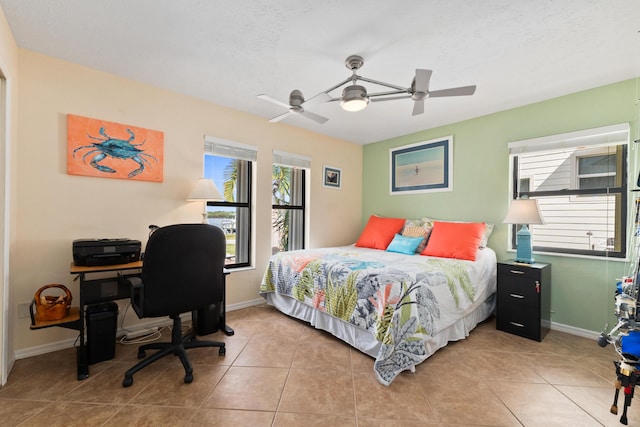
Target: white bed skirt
x=366 y=342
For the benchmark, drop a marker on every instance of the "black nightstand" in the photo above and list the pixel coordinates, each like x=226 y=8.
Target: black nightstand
x=524 y=299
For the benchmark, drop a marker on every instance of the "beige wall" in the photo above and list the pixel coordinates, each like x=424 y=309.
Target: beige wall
x=55 y=208
x=8 y=183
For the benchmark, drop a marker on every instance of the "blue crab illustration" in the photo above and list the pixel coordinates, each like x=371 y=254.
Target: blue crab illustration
x=116 y=148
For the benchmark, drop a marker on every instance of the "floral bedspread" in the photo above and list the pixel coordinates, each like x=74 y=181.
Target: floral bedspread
x=401 y=300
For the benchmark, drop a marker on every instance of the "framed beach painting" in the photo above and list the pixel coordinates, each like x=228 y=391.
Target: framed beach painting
x=422 y=167
x=332 y=177
x=112 y=150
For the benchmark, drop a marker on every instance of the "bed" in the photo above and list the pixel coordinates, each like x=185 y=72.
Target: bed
x=399 y=307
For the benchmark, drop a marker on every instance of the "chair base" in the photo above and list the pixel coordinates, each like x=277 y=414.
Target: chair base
x=178 y=346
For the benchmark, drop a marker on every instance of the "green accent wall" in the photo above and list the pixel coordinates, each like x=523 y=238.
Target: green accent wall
x=582 y=288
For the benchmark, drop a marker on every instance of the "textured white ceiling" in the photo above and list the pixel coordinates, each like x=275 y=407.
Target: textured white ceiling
x=229 y=51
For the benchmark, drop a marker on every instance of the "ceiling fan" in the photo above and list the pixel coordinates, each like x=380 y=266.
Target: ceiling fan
x=355 y=96
x=295 y=106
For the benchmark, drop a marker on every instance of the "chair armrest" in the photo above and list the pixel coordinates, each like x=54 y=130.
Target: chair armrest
x=137 y=294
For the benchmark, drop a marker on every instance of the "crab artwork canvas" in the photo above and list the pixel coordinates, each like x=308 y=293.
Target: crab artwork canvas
x=112 y=150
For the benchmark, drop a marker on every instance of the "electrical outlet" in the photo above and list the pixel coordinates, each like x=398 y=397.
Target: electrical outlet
x=23 y=311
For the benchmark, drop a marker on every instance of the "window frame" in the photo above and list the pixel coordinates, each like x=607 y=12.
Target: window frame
x=236 y=205
x=300 y=208
x=239 y=152
x=616 y=135
x=303 y=164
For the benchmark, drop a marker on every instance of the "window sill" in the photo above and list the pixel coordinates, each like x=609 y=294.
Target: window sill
x=238 y=269
x=564 y=255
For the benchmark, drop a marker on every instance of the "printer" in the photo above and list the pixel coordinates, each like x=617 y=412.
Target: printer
x=93 y=252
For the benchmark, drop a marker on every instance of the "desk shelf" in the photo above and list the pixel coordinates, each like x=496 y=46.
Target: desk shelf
x=71 y=321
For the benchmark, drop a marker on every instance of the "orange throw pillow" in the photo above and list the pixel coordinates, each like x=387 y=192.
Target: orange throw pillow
x=379 y=232
x=458 y=240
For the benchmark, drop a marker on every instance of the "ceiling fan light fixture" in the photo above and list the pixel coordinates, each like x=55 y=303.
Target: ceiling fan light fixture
x=354 y=98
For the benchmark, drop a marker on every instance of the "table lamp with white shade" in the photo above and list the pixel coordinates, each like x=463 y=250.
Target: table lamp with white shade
x=204 y=191
x=524 y=212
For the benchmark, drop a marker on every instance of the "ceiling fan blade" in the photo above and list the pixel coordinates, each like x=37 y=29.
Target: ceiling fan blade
x=421 y=80
x=456 y=91
x=313 y=116
x=280 y=117
x=418 y=107
x=273 y=100
x=320 y=98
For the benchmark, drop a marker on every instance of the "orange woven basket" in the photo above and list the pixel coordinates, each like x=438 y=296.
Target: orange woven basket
x=50 y=307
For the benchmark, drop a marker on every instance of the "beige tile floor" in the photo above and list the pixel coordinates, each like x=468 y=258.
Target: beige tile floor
x=281 y=372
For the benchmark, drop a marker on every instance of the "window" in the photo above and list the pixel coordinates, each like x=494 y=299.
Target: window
x=230 y=166
x=288 y=198
x=596 y=170
x=580 y=182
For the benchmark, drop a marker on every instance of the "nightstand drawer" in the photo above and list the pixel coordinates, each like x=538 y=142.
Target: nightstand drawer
x=516 y=271
x=520 y=293
x=519 y=320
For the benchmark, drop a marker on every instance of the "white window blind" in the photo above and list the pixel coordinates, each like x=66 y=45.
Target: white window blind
x=292 y=160
x=231 y=149
x=602 y=137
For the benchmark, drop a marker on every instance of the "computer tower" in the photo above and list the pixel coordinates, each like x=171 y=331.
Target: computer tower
x=207 y=320
x=101 y=320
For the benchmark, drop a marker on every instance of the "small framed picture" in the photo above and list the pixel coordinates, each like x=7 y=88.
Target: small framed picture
x=332 y=177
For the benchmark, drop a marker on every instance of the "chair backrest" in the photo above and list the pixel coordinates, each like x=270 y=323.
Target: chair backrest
x=183 y=269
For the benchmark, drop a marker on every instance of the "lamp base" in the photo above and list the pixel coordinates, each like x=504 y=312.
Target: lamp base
x=523 y=248
x=205 y=219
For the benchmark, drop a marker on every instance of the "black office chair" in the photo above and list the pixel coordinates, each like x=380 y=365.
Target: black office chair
x=182 y=272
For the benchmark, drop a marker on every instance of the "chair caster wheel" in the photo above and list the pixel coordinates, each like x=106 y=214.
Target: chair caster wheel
x=222 y=351
x=142 y=354
x=188 y=379
x=127 y=381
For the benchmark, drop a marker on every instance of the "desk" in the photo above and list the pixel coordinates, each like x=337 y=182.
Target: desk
x=103 y=289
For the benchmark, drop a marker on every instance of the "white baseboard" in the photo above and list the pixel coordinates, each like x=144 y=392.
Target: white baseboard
x=585 y=333
x=69 y=343
x=45 y=348
x=245 y=304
